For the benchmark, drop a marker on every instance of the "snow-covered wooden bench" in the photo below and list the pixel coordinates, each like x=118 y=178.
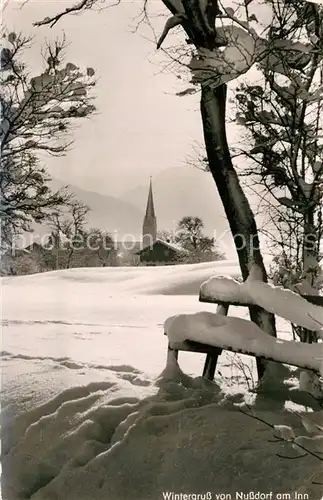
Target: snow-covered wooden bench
x=210 y=333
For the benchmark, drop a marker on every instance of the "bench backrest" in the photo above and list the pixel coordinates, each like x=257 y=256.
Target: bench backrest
x=313 y=299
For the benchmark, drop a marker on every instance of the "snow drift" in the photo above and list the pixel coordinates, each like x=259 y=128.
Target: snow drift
x=92 y=443
x=122 y=436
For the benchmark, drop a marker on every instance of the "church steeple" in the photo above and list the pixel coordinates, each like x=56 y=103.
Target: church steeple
x=149 y=228
x=150 y=209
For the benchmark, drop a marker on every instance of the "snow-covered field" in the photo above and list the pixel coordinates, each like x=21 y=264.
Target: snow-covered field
x=78 y=323
x=83 y=416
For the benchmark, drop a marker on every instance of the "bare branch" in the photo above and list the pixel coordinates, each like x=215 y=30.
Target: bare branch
x=170 y=24
x=75 y=9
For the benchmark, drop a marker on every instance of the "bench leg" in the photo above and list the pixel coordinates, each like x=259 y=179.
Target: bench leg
x=212 y=359
x=210 y=365
x=172 y=356
x=261 y=367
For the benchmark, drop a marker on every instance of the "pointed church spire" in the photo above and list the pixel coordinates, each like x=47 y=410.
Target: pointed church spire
x=150 y=209
x=149 y=229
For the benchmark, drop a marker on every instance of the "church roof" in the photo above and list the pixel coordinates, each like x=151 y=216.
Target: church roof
x=172 y=246
x=150 y=209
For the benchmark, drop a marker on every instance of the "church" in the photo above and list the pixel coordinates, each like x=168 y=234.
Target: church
x=156 y=251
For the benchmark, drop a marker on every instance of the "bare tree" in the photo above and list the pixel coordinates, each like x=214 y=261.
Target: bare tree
x=68 y=230
x=37 y=112
x=101 y=248
x=200 y=247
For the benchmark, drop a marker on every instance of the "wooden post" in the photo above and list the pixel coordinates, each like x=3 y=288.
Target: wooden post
x=172 y=355
x=212 y=359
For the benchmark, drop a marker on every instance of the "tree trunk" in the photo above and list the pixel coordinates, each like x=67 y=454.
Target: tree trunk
x=310 y=382
x=310 y=248
x=69 y=258
x=236 y=206
x=310 y=266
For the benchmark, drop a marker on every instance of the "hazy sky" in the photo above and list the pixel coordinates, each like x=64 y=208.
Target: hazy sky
x=142 y=127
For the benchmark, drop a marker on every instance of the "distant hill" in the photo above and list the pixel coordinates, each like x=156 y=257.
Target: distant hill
x=107 y=212
x=177 y=192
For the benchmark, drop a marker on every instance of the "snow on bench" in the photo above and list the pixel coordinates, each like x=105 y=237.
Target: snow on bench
x=277 y=300
x=210 y=333
x=239 y=335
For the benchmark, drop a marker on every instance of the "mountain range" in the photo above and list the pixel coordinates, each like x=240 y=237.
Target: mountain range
x=108 y=213
x=177 y=192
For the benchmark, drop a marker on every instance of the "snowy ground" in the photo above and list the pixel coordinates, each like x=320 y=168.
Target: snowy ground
x=78 y=323
x=81 y=352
